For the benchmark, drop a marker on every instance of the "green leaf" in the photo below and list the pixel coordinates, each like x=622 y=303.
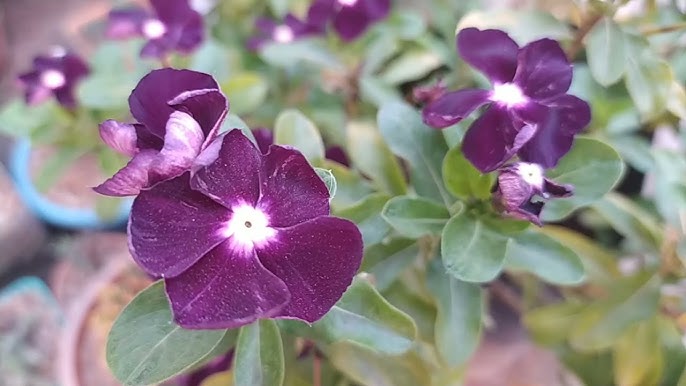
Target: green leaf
x=246 y=91
x=106 y=91
x=213 y=58
x=631 y=221
x=602 y=322
x=295 y=129
x=420 y=308
x=648 y=79
x=638 y=356
x=524 y=26
x=411 y=65
x=259 y=357
x=606 y=51
x=387 y=260
x=544 y=257
x=458 y=321
x=593 y=167
x=670 y=187
x=364 y=317
x=279 y=7
x=423 y=148
x=369 y=368
x=367 y=215
x=462 y=179
x=329 y=181
x=20 y=120
x=372 y=157
x=302 y=51
x=378 y=92
x=471 y=249
x=146 y=347
x=415 y=217
x=550 y=325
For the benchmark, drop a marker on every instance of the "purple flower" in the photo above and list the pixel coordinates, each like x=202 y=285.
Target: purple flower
x=172 y=26
x=56 y=75
x=521 y=190
x=337 y=154
x=291 y=29
x=196 y=378
x=528 y=111
x=179 y=113
x=246 y=237
x=428 y=93
x=350 y=18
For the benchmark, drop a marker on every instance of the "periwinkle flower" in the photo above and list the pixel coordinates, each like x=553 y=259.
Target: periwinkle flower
x=288 y=31
x=528 y=111
x=350 y=18
x=246 y=237
x=172 y=26
x=522 y=189
x=55 y=74
x=179 y=113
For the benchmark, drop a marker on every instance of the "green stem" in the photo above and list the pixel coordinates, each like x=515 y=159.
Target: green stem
x=663 y=29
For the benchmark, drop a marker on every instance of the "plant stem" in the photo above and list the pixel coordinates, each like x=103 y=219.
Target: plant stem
x=316 y=369
x=584 y=28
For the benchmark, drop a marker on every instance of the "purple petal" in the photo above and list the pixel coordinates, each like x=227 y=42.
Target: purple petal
x=74 y=68
x=490 y=51
x=232 y=179
x=514 y=195
x=376 y=9
x=557 y=190
x=65 y=96
x=453 y=107
x=172 y=11
x=149 y=100
x=225 y=289
x=556 y=126
x=292 y=192
x=543 y=70
x=264 y=138
x=317 y=260
x=319 y=14
x=351 y=21
x=265 y=25
x=182 y=143
x=191 y=34
x=337 y=154
x=121 y=137
x=125 y=23
x=156 y=48
x=146 y=139
x=489 y=141
x=130 y=179
x=207 y=106
x=173 y=226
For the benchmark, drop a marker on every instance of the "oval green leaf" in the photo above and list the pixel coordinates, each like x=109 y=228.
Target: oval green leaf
x=593 y=168
x=606 y=51
x=462 y=179
x=146 y=347
x=471 y=250
x=415 y=217
x=295 y=129
x=259 y=357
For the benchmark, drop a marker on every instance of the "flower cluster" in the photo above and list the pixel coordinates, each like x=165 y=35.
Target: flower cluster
x=55 y=74
x=527 y=113
x=171 y=26
x=349 y=18
x=236 y=233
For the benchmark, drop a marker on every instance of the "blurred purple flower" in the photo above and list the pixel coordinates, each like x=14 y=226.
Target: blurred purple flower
x=528 y=111
x=428 y=93
x=522 y=189
x=337 y=154
x=289 y=30
x=217 y=365
x=350 y=18
x=172 y=26
x=246 y=237
x=56 y=74
x=179 y=113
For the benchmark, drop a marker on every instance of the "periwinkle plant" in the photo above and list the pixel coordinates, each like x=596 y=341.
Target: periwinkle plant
x=355 y=233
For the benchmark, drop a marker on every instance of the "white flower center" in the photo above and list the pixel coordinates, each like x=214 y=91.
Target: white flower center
x=283 y=34
x=532 y=174
x=153 y=29
x=52 y=79
x=508 y=94
x=347 y=3
x=248 y=228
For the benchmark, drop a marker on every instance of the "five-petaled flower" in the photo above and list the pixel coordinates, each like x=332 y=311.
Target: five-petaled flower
x=350 y=18
x=172 y=26
x=528 y=113
x=179 y=114
x=289 y=30
x=264 y=138
x=521 y=191
x=55 y=74
x=248 y=236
